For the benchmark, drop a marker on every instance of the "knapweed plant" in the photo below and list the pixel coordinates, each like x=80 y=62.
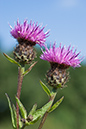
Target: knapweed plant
x=60 y=59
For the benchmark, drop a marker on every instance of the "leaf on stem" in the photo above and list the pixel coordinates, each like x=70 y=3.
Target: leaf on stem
x=45 y=88
x=36 y=115
x=11 y=59
x=20 y=123
x=22 y=109
x=12 y=111
x=29 y=69
x=56 y=105
x=33 y=122
x=40 y=112
x=33 y=109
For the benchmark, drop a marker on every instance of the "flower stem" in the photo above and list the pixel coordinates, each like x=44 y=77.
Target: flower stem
x=20 y=79
x=53 y=94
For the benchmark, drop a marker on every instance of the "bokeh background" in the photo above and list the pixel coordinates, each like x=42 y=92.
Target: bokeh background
x=66 y=20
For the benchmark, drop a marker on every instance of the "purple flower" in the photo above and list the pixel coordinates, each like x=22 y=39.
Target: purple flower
x=30 y=32
x=61 y=55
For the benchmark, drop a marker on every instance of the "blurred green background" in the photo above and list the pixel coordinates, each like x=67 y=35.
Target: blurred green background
x=71 y=114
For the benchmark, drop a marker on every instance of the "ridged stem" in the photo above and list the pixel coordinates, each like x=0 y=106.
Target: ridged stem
x=20 y=79
x=53 y=94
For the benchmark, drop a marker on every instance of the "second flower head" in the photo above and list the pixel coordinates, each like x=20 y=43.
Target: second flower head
x=60 y=59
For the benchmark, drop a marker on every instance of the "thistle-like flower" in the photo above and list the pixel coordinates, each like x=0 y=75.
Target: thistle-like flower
x=27 y=36
x=60 y=59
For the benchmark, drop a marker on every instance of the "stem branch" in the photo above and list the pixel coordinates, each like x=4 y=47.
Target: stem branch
x=53 y=94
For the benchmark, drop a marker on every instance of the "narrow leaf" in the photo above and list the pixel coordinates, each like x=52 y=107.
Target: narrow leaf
x=11 y=60
x=33 y=109
x=22 y=109
x=33 y=122
x=20 y=123
x=11 y=110
x=45 y=88
x=29 y=69
x=56 y=105
x=41 y=112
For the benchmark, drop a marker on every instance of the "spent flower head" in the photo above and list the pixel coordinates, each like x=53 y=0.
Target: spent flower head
x=60 y=58
x=30 y=32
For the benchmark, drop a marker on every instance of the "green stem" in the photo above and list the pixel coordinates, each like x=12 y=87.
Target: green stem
x=20 y=79
x=53 y=95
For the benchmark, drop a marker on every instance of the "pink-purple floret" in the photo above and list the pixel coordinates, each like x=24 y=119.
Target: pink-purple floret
x=61 y=55
x=31 y=32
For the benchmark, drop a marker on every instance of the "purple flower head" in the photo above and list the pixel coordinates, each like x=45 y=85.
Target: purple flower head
x=61 y=55
x=30 y=32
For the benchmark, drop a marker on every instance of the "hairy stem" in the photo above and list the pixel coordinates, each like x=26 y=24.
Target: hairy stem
x=53 y=94
x=20 y=79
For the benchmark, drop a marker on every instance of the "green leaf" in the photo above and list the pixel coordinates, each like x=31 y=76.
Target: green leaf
x=29 y=69
x=12 y=112
x=33 y=122
x=41 y=112
x=56 y=105
x=20 y=123
x=11 y=60
x=22 y=109
x=33 y=109
x=45 y=88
